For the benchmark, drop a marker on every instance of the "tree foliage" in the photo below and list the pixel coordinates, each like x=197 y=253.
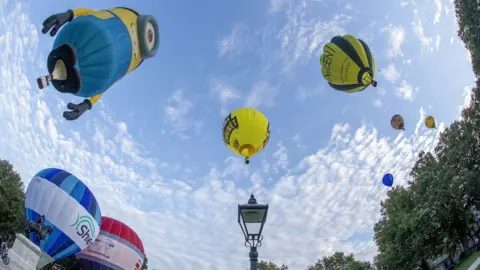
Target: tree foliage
x=468 y=18
x=12 y=200
x=340 y=261
x=264 y=265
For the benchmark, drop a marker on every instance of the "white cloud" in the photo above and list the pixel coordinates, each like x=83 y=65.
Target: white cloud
x=297 y=140
x=438 y=12
x=177 y=114
x=225 y=94
x=281 y=158
x=402 y=4
x=396 y=37
x=276 y=5
x=235 y=42
x=390 y=73
x=467 y=97
x=447 y=10
x=303 y=36
x=437 y=42
x=377 y=103
x=406 y=91
x=262 y=94
x=381 y=92
x=419 y=31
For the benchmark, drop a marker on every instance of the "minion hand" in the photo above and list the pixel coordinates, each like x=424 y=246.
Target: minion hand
x=56 y=21
x=77 y=109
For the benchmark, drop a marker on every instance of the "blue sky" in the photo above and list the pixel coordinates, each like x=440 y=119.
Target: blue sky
x=151 y=150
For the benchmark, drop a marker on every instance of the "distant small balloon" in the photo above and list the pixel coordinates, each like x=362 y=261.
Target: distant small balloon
x=387 y=180
x=397 y=122
x=430 y=122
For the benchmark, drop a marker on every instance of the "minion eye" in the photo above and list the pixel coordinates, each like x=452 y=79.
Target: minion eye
x=149 y=35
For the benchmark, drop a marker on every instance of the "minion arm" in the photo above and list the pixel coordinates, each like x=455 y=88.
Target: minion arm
x=94 y=99
x=82 y=11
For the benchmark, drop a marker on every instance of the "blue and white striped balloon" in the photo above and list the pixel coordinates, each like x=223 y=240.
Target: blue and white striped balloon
x=69 y=208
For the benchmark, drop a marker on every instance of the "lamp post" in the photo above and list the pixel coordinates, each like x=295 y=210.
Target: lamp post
x=252 y=217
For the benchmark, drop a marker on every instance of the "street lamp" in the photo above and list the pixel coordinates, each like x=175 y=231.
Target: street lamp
x=252 y=217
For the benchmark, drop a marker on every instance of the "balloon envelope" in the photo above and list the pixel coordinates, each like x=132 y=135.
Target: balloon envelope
x=430 y=122
x=69 y=208
x=387 y=180
x=348 y=64
x=246 y=131
x=397 y=122
x=117 y=247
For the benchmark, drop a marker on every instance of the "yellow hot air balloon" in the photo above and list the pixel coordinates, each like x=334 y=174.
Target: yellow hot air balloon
x=397 y=122
x=348 y=64
x=246 y=131
x=430 y=122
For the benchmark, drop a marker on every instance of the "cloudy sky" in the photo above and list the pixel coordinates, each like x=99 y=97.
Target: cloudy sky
x=151 y=150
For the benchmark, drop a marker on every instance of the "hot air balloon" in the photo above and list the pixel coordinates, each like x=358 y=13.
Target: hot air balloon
x=94 y=50
x=430 y=122
x=397 y=122
x=348 y=64
x=387 y=180
x=65 y=210
x=117 y=247
x=246 y=131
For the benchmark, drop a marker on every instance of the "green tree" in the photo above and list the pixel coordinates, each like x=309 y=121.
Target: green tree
x=395 y=233
x=468 y=18
x=264 y=265
x=12 y=200
x=340 y=261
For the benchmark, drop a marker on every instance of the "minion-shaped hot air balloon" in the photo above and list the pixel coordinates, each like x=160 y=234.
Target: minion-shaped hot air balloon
x=246 y=131
x=348 y=64
x=95 y=49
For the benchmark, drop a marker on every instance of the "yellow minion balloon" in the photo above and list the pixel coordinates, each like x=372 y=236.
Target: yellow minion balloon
x=348 y=64
x=246 y=131
x=430 y=122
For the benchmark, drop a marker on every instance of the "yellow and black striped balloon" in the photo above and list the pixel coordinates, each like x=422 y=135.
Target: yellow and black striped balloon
x=348 y=64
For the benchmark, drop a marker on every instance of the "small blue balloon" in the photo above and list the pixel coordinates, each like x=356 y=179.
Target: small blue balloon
x=387 y=180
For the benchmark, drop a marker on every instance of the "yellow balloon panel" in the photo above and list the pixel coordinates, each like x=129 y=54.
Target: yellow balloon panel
x=357 y=45
x=246 y=131
x=337 y=67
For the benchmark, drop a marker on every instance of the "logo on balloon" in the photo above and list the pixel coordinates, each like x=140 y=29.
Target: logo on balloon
x=229 y=125
x=85 y=229
x=327 y=61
